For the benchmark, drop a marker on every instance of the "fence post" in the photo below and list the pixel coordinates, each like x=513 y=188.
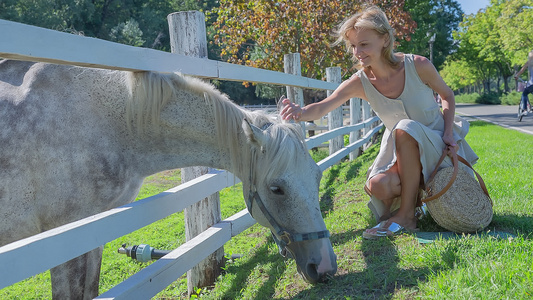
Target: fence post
x=188 y=37
x=355 y=117
x=366 y=115
x=333 y=74
x=292 y=65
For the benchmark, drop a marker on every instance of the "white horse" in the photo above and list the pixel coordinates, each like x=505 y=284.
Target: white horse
x=79 y=141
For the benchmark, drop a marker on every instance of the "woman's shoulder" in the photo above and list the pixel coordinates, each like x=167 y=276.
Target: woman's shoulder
x=414 y=58
x=354 y=85
x=423 y=66
x=420 y=61
x=357 y=76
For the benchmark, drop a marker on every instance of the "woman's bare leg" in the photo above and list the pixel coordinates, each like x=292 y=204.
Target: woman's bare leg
x=403 y=179
x=386 y=187
x=409 y=170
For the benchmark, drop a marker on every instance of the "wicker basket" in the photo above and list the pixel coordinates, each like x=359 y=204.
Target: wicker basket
x=455 y=200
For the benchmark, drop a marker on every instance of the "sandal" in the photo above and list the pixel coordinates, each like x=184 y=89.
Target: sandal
x=382 y=231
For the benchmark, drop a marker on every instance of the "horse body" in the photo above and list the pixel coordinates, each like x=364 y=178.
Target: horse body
x=53 y=154
x=79 y=141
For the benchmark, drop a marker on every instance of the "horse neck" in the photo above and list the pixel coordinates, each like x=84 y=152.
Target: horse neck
x=198 y=129
x=219 y=134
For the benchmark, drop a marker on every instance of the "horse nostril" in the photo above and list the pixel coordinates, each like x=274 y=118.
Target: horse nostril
x=316 y=276
x=312 y=273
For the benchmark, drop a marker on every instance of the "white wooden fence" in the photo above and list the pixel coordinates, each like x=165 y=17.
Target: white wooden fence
x=36 y=254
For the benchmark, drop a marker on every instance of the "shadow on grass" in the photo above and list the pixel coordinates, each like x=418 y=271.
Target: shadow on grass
x=504 y=223
x=333 y=174
x=245 y=270
x=517 y=224
x=380 y=278
x=326 y=200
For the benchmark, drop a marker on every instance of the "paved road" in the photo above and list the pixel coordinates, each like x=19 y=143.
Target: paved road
x=503 y=115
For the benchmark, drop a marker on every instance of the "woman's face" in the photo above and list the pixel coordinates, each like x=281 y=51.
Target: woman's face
x=366 y=45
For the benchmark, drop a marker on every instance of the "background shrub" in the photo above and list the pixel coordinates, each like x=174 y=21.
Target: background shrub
x=513 y=98
x=490 y=98
x=467 y=98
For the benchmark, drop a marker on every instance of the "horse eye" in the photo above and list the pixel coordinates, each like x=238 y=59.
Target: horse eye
x=277 y=190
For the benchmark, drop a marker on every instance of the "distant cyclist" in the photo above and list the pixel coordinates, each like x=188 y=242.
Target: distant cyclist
x=529 y=89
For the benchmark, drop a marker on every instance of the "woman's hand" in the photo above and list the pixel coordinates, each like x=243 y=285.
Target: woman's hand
x=290 y=111
x=450 y=141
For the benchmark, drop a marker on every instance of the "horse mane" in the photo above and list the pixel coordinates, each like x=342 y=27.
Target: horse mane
x=150 y=91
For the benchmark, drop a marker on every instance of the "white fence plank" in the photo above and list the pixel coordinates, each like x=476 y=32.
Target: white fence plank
x=240 y=222
x=26 y=42
x=233 y=72
x=157 y=276
x=43 y=251
x=316 y=140
x=337 y=156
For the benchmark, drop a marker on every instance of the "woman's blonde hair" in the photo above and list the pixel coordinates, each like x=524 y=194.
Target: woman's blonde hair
x=371 y=18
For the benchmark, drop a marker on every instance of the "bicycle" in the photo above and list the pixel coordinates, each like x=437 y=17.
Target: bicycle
x=521 y=85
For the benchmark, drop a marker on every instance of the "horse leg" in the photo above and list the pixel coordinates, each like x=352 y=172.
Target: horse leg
x=78 y=278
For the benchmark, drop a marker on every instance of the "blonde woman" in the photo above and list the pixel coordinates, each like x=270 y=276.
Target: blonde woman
x=399 y=87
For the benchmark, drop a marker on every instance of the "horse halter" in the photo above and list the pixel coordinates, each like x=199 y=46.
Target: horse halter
x=281 y=236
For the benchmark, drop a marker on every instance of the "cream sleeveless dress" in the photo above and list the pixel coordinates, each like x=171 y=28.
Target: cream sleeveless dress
x=416 y=112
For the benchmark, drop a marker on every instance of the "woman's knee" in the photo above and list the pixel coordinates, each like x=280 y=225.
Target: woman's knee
x=405 y=143
x=385 y=186
x=402 y=136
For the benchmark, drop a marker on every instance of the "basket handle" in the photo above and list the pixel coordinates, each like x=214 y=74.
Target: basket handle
x=451 y=151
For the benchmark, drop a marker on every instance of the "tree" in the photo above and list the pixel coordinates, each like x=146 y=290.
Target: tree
x=105 y=19
x=514 y=26
x=127 y=33
x=458 y=74
x=433 y=17
x=485 y=38
x=269 y=29
x=495 y=40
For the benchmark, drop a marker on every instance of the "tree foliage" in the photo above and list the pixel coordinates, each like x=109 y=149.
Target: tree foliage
x=514 y=25
x=495 y=42
x=433 y=17
x=133 y=22
x=458 y=74
x=259 y=32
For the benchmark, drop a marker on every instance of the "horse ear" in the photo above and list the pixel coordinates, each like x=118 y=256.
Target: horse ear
x=254 y=134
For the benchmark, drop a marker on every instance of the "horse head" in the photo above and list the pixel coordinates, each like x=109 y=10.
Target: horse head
x=280 y=179
x=281 y=194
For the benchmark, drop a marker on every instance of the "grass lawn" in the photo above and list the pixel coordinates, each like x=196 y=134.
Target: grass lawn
x=471 y=267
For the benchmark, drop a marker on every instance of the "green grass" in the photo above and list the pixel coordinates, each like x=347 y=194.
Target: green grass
x=471 y=267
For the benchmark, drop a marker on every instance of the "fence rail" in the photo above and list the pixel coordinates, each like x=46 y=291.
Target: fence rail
x=26 y=257
x=26 y=42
